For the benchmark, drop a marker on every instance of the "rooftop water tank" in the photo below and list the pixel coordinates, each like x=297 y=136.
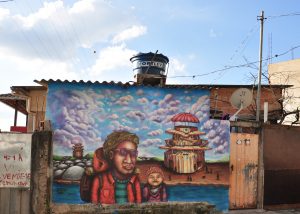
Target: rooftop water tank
x=149 y=63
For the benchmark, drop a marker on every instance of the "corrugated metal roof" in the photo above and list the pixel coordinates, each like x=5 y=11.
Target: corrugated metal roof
x=132 y=83
x=14 y=101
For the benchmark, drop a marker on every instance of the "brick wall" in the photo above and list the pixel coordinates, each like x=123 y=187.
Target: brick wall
x=220 y=102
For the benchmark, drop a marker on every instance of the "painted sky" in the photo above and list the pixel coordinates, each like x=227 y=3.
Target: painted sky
x=94 y=39
x=88 y=113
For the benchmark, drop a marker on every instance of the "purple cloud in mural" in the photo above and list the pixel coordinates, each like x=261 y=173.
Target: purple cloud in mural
x=140 y=92
x=143 y=100
x=124 y=101
x=151 y=142
x=155 y=132
x=136 y=115
x=113 y=116
x=117 y=126
x=201 y=108
x=89 y=113
x=218 y=135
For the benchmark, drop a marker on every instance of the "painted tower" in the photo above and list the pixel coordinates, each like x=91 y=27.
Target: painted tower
x=78 y=150
x=185 y=150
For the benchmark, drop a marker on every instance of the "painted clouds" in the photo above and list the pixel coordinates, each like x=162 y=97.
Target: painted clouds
x=89 y=113
x=218 y=135
x=75 y=121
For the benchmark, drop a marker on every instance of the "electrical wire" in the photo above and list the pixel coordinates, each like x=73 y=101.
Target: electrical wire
x=284 y=15
x=242 y=46
x=44 y=46
x=236 y=66
x=46 y=52
x=76 y=36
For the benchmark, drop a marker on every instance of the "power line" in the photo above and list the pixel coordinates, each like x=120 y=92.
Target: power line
x=58 y=35
x=49 y=41
x=242 y=46
x=284 y=15
x=236 y=66
x=35 y=34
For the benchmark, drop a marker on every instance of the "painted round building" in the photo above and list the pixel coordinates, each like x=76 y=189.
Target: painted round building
x=185 y=151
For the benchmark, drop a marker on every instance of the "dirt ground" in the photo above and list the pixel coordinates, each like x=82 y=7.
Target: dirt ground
x=213 y=174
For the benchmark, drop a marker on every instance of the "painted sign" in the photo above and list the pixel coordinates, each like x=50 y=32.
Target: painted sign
x=15 y=154
x=117 y=144
x=151 y=63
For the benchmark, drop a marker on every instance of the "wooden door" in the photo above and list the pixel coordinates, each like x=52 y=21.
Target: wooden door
x=243 y=170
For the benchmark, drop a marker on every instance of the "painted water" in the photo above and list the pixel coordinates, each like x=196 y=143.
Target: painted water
x=217 y=195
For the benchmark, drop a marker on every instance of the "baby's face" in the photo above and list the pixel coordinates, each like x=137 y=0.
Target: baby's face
x=155 y=179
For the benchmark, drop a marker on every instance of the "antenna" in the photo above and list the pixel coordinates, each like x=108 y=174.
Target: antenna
x=240 y=99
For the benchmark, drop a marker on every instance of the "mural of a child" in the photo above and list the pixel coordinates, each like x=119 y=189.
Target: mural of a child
x=155 y=189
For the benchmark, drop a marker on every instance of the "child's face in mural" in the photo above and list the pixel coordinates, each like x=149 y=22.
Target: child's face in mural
x=124 y=159
x=155 y=179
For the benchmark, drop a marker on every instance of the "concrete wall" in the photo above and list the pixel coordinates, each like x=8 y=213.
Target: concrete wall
x=287 y=72
x=282 y=164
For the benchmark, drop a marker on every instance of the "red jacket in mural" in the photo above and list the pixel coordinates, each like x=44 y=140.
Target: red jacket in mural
x=103 y=189
x=99 y=163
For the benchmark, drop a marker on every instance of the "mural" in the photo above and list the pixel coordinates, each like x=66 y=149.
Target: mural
x=15 y=154
x=132 y=144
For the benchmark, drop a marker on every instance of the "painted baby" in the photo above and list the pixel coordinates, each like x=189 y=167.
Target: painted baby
x=155 y=189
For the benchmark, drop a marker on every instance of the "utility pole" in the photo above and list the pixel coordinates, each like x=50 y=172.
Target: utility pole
x=261 y=18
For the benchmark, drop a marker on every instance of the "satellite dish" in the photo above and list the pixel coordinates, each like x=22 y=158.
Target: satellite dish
x=240 y=99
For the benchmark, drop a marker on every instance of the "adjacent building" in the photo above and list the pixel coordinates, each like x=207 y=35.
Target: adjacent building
x=288 y=72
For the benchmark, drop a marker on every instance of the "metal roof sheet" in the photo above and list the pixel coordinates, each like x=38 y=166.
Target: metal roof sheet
x=132 y=83
x=15 y=101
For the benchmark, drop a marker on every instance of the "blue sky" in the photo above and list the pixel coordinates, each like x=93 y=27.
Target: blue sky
x=94 y=39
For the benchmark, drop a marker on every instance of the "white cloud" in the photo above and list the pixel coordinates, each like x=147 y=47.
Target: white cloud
x=26 y=70
x=57 y=30
x=82 y=7
x=3 y=13
x=130 y=33
x=44 y=13
x=177 y=68
x=111 y=58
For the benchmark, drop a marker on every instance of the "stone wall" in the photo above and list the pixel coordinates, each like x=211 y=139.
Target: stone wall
x=155 y=208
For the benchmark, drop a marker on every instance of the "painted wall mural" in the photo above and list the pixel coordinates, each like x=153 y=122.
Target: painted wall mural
x=132 y=144
x=15 y=159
